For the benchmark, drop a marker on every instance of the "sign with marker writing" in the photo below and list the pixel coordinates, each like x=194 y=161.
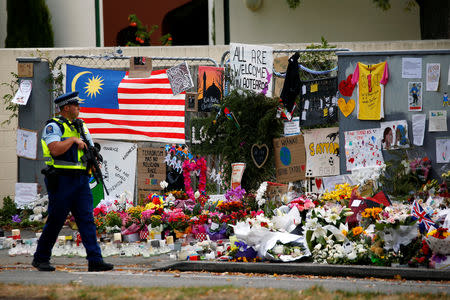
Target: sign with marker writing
x=118 y=167
x=252 y=67
x=151 y=168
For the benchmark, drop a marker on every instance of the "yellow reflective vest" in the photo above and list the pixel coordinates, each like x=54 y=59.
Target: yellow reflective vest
x=71 y=159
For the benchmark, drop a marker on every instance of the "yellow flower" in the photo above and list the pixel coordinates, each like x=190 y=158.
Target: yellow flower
x=366 y=213
x=357 y=230
x=344 y=232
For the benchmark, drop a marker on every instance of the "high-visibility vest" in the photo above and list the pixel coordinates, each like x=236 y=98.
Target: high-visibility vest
x=71 y=159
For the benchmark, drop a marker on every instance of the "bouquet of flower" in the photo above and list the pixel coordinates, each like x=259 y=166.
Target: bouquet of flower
x=393 y=216
x=421 y=167
x=176 y=219
x=341 y=193
x=439 y=241
x=303 y=203
x=288 y=252
x=327 y=222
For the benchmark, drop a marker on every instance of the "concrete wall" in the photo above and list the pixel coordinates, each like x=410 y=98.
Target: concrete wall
x=343 y=20
x=8 y=64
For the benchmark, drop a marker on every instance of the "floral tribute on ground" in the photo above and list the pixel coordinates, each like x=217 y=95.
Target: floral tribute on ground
x=344 y=225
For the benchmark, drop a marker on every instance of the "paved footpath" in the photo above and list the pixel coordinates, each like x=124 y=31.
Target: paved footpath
x=164 y=263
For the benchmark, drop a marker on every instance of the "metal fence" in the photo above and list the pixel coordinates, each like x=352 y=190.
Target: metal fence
x=314 y=63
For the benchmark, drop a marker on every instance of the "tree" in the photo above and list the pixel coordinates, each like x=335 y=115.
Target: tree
x=434 y=16
x=28 y=24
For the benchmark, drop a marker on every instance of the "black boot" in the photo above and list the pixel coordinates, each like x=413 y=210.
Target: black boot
x=99 y=266
x=43 y=266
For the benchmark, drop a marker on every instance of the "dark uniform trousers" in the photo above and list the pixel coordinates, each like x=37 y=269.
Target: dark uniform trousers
x=72 y=193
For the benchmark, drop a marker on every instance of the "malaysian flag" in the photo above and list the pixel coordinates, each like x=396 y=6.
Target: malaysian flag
x=116 y=107
x=419 y=213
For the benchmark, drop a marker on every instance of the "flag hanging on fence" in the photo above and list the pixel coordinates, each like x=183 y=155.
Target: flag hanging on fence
x=419 y=213
x=116 y=107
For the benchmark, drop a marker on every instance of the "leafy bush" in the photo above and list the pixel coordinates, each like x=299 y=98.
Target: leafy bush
x=8 y=211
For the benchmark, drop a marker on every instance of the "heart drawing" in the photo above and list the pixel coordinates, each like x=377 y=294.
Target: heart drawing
x=260 y=154
x=346 y=87
x=346 y=107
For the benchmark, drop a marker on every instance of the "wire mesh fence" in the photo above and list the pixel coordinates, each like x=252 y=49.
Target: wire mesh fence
x=314 y=63
x=116 y=62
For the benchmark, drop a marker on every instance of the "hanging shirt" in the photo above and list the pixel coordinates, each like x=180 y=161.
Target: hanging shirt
x=370 y=80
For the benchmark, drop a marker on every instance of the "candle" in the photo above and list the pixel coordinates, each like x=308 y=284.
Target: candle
x=15 y=232
x=117 y=237
x=169 y=239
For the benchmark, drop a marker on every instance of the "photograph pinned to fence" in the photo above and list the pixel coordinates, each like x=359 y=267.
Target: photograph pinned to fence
x=415 y=96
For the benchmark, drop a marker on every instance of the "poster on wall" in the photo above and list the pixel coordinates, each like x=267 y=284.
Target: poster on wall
x=151 y=169
x=251 y=68
x=433 y=75
x=394 y=135
x=322 y=152
x=210 y=87
x=23 y=93
x=26 y=143
x=290 y=158
x=438 y=120
x=442 y=150
x=415 y=96
x=411 y=67
x=118 y=168
x=363 y=149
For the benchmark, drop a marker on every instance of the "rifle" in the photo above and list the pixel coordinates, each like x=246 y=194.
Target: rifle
x=91 y=155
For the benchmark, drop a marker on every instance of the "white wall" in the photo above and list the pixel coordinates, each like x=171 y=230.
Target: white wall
x=336 y=20
x=3 y=19
x=73 y=22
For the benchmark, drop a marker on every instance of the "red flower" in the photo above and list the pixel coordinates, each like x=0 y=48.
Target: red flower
x=133 y=24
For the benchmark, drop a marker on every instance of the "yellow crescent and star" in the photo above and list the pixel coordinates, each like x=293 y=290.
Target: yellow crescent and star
x=93 y=85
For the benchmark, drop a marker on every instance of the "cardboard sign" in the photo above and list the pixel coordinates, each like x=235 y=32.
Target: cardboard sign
x=140 y=67
x=24 y=70
x=151 y=168
x=290 y=158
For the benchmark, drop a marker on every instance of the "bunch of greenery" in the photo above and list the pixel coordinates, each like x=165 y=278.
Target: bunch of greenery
x=256 y=116
x=320 y=60
x=397 y=180
x=8 y=211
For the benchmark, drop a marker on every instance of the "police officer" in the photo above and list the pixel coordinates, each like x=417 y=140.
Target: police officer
x=67 y=182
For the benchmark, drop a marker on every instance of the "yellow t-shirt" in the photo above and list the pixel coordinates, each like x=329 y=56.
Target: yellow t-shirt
x=371 y=80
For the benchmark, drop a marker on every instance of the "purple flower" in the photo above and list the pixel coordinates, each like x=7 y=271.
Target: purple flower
x=16 y=219
x=235 y=194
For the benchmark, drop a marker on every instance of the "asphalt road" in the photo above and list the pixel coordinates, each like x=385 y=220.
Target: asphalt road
x=139 y=278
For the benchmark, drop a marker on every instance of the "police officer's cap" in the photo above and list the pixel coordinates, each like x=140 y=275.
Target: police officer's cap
x=67 y=98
